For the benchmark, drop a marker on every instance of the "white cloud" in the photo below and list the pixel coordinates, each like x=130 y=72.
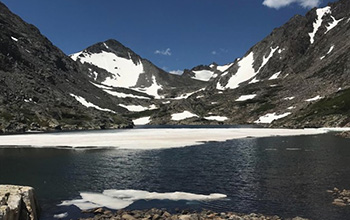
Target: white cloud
x=214 y=52
x=283 y=3
x=176 y=72
x=166 y=52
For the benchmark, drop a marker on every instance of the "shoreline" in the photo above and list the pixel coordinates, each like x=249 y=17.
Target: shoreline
x=160 y=214
x=149 y=138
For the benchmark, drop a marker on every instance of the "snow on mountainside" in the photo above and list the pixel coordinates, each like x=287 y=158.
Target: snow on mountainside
x=112 y=64
x=298 y=76
x=299 y=65
x=43 y=89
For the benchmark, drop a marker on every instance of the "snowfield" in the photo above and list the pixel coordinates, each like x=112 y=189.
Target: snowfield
x=145 y=139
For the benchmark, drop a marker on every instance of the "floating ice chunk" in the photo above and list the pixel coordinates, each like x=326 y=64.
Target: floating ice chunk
x=269 y=118
x=314 y=99
x=183 y=115
x=245 y=97
x=62 y=215
x=119 y=199
x=89 y=104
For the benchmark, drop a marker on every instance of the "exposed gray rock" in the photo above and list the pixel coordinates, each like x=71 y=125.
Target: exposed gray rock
x=156 y=214
x=18 y=203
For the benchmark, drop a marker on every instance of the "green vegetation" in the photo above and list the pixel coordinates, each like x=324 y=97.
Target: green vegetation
x=330 y=106
x=264 y=107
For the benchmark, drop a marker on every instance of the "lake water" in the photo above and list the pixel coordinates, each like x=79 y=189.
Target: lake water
x=285 y=176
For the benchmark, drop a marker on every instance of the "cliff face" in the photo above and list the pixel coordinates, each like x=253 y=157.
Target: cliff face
x=18 y=203
x=42 y=88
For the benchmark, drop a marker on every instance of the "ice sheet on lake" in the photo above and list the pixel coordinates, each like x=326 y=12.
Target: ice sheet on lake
x=119 y=199
x=146 y=139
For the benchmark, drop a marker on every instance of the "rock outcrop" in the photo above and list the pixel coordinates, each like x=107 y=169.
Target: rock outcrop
x=18 y=203
x=157 y=214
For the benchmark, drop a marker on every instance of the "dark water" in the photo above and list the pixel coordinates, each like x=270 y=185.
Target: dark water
x=285 y=181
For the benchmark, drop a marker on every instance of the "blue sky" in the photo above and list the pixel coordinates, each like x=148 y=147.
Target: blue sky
x=173 y=34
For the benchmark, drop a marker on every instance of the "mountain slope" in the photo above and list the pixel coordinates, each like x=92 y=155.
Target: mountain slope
x=281 y=77
x=42 y=88
x=119 y=66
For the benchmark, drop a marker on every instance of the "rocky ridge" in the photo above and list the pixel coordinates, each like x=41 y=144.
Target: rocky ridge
x=43 y=89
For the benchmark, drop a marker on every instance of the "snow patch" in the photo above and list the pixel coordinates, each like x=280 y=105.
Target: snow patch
x=289 y=98
x=119 y=199
x=224 y=67
x=329 y=51
x=317 y=24
x=125 y=73
x=203 y=75
x=269 y=118
x=333 y=24
x=275 y=76
x=245 y=72
x=186 y=95
x=254 y=81
x=216 y=118
x=314 y=99
x=138 y=108
x=245 y=97
x=14 y=39
x=147 y=139
x=153 y=89
x=291 y=107
x=183 y=115
x=142 y=121
x=89 y=104
x=266 y=59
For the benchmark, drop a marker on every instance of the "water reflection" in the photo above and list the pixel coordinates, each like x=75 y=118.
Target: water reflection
x=287 y=176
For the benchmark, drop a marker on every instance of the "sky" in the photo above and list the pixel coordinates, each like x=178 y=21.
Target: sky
x=173 y=34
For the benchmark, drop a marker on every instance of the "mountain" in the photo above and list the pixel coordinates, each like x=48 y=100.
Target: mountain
x=114 y=65
x=299 y=74
x=43 y=89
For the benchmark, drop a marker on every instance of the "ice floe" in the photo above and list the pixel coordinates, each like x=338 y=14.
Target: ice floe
x=119 y=199
x=145 y=139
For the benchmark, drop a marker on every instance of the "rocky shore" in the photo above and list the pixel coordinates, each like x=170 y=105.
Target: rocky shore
x=18 y=203
x=157 y=214
x=345 y=134
x=341 y=197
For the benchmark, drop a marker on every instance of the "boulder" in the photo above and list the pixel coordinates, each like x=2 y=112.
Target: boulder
x=18 y=203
